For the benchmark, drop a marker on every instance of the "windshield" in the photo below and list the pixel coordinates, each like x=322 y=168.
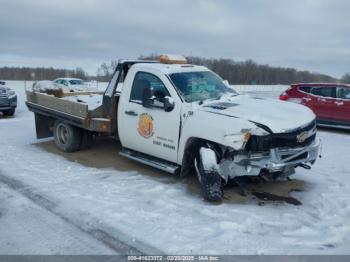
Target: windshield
x=76 y=82
x=200 y=86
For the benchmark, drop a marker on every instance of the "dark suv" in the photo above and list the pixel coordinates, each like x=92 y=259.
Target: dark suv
x=8 y=100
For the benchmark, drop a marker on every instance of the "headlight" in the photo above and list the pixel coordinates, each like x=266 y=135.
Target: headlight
x=11 y=93
x=246 y=136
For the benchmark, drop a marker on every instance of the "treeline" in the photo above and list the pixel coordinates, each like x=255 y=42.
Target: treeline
x=39 y=73
x=246 y=72
x=249 y=72
x=346 y=78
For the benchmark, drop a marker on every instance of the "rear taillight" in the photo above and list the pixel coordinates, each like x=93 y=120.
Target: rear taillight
x=284 y=96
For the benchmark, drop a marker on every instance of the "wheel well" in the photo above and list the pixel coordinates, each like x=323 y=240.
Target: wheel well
x=192 y=147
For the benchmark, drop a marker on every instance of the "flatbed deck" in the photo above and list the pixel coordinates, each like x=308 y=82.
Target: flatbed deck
x=71 y=109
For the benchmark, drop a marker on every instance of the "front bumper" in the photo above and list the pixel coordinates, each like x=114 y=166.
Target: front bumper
x=7 y=103
x=277 y=160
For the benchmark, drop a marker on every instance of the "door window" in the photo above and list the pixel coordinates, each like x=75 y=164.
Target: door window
x=306 y=89
x=146 y=80
x=344 y=93
x=324 y=91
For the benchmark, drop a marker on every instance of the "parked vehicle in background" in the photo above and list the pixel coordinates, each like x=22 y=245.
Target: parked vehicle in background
x=183 y=119
x=74 y=85
x=330 y=102
x=8 y=100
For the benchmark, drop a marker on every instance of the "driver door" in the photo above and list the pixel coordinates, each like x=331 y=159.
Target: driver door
x=150 y=130
x=324 y=101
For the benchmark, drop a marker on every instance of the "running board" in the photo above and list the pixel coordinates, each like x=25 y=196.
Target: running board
x=150 y=161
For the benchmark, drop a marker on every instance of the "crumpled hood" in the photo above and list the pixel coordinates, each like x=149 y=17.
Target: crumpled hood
x=279 y=116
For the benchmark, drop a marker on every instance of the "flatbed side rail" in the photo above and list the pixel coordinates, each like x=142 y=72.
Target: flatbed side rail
x=58 y=104
x=47 y=108
x=71 y=119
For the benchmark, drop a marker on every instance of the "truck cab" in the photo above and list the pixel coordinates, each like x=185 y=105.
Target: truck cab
x=150 y=110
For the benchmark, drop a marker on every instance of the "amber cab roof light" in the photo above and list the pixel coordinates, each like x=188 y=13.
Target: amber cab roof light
x=172 y=59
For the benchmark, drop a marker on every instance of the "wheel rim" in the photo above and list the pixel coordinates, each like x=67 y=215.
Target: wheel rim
x=63 y=134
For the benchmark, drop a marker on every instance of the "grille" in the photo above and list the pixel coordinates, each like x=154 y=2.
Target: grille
x=4 y=101
x=280 y=140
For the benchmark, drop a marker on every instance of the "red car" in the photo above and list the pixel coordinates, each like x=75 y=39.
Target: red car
x=330 y=102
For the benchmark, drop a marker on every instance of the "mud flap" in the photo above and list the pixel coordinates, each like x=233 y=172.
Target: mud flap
x=43 y=126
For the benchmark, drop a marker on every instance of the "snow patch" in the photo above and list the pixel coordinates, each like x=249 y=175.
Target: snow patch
x=209 y=159
x=92 y=101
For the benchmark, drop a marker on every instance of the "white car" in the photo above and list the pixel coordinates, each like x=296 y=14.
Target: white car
x=74 y=85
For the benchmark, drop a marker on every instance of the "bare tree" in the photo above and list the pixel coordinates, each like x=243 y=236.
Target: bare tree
x=346 y=78
x=105 y=71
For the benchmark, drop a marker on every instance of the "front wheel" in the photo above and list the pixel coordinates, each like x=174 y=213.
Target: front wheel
x=208 y=174
x=67 y=137
x=10 y=112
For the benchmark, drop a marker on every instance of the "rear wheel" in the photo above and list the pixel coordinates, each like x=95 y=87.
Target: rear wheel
x=208 y=174
x=67 y=137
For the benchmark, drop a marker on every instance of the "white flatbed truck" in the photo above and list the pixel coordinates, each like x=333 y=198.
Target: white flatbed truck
x=183 y=119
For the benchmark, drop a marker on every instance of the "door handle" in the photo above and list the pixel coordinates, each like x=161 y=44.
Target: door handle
x=306 y=99
x=131 y=113
x=339 y=103
x=322 y=100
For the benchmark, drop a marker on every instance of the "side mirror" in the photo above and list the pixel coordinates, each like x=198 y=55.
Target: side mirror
x=2 y=83
x=147 y=100
x=169 y=104
x=157 y=100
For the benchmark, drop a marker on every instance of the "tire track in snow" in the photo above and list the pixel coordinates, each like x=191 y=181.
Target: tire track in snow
x=121 y=247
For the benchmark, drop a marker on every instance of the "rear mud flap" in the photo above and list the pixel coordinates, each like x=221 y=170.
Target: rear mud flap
x=43 y=126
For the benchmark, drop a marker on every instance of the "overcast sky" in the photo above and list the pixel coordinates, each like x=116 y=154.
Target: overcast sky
x=306 y=34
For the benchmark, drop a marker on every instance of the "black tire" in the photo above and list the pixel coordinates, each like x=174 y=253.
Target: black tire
x=212 y=184
x=67 y=137
x=10 y=112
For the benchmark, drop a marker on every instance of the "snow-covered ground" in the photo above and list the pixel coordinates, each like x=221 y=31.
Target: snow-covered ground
x=51 y=205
